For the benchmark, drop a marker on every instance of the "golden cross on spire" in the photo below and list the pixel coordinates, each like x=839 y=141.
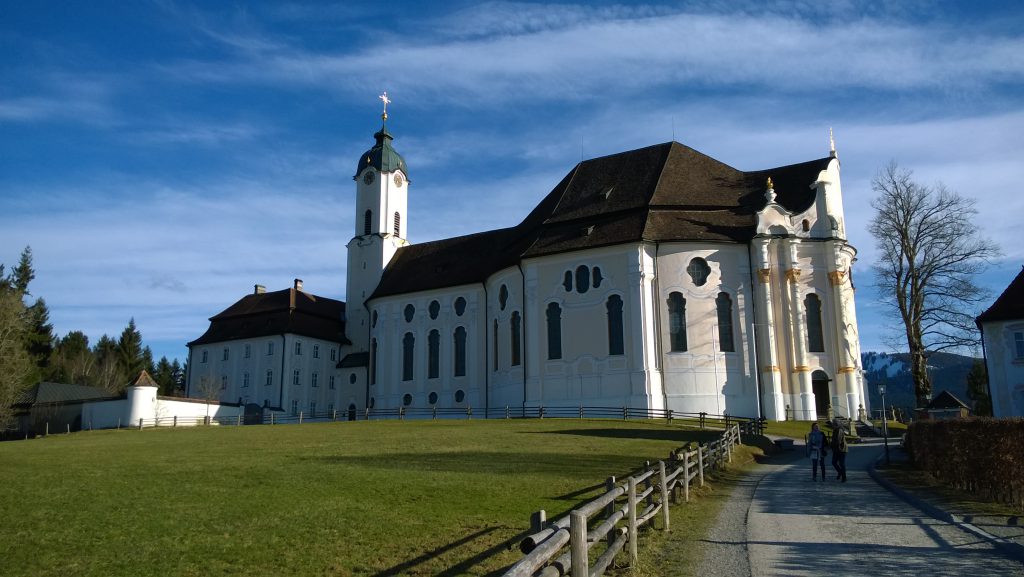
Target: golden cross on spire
x=384 y=98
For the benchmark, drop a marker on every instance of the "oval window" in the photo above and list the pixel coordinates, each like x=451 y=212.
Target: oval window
x=582 y=279
x=410 y=312
x=433 y=398
x=460 y=396
x=407 y=399
x=698 y=270
x=434 y=309
x=460 y=306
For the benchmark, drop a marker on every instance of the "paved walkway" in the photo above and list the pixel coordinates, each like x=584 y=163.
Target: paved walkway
x=778 y=522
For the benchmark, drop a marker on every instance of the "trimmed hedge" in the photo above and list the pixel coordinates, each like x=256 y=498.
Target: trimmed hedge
x=984 y=456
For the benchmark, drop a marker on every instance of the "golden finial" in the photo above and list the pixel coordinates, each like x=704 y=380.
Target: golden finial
x=386 y=100
x=770 y=185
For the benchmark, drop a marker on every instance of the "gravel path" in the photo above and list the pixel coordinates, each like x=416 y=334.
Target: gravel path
x=778 y=522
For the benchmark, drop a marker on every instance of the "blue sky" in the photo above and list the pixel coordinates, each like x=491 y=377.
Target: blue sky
x=162 y=157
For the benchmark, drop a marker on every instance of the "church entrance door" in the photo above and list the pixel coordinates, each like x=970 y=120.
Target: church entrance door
x=822 y=398
x=253 y=414
x=352 y=412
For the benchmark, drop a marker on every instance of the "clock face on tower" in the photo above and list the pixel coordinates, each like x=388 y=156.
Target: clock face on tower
x=368 y=177
x=398 y=179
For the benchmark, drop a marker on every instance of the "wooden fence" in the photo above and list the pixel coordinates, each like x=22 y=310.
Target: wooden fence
x=586 y=541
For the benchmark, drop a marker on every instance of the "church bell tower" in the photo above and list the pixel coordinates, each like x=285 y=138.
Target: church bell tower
x=381 y=227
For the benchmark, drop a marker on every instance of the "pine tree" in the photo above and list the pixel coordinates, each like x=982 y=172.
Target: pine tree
x=39 y=338
x=23 y=274
x=130 y=354
x=977 y=389
x=163 y=374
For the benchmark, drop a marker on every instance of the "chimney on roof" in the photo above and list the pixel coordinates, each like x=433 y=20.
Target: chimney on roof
x=298 y=284
x=259 y=289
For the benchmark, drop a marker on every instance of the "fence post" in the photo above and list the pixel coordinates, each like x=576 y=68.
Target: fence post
x=537 y=521
x=401 y=413
x=647 y=485
x=686 y=475
x=334 y=416
x=175 y=422
x=47 y=434
x=300 y=417
x=469 y=412
x=581 y=411
x=625 y=413
x=433 y=412
x=69 y=428
x=609 y=509
x=239 y=421
x=664 y=492
x=578 y=544
x=631 y=500
x=506 y=413
x=700 y=463
x=540 y=412
x=670 y=416
x=271 y=418
x=119 y=423
x=140 y=423
x=367 y=413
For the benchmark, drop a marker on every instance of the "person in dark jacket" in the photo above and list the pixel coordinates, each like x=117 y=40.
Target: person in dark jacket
x=816 y=451
x=839 y=450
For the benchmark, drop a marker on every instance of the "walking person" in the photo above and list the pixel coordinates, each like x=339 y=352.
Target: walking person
x=816 y=451
x=839 y=450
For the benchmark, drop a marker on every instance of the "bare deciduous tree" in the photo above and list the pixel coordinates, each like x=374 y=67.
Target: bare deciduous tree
x=930 y=253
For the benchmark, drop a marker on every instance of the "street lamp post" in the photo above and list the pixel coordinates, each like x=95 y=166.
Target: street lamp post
x=885 y=424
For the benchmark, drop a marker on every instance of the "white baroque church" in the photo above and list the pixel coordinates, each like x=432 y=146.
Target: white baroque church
x=656 y=278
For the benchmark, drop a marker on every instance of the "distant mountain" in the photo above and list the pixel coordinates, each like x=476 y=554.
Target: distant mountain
x=948 y=372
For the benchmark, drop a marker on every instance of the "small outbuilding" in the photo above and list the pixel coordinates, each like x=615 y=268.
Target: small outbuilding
x=947 y=406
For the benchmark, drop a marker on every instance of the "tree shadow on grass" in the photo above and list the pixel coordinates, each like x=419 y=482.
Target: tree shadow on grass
x=681 y=436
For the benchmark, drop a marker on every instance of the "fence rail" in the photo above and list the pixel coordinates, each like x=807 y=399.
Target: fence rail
x=601 y=528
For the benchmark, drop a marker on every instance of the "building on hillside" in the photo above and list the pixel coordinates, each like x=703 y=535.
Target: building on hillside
x=946 y=405
x=1002 y=333
x=279 y=350
x=657 y=278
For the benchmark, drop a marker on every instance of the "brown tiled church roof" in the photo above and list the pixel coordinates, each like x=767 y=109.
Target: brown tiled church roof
x=276 y=313
x=1009 y=306
x=667 y=192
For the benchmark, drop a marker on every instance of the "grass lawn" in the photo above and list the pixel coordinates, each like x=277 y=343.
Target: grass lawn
x=363 y=498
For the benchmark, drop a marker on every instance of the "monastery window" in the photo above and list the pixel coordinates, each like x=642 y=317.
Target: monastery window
x=515 y=326
x=312 y=409
x=725 y=341
x=460 y=396
x=806 y=225
x=503 y=297
x=567 y=282
x=460 y=352
x=270 y=348
x=330 y=382
x=433 y=354
x=204 y=357
x=1018 y=342
x=225 y=357
x=677 y=322
x=408 y=342
x=248 y=351
x=582 y=279
x=270 y=377
x=410 y=312
x=245 y=380
x=373 y=319
x=432 y=399
x=373 y=362
x=616 y=346
x=367 y=220
x=316 y=351
x=298 y=348
x=334 y=355
x=315 y=380
x=295 y=408
x=295 y=377
x=698 y=270
x=460 y=306
x=352 y=378
x=597 y=277
x=398 y=224
x=815 y=337
x=223 y=382
x=434 y=309
x=407 y=400
x=554 y=314
x=330 y=409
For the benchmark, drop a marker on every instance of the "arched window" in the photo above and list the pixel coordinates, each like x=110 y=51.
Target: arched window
x=367 y=220
x=373 y=362
x=410 y=312
x=677 y=322
x=460 y=352
x=433 y=354
x=567 y=281
x=408 y=344
x=515 y=325
x=615 y=340
x=434 y=309
x=460 y=306
x=815 y=338
x=503 y=297
x=698 y=270
x=725 y=340
x=554 y=331
x=398 y=224
x=597 y=277
x=495 y=347
x=582 y=279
